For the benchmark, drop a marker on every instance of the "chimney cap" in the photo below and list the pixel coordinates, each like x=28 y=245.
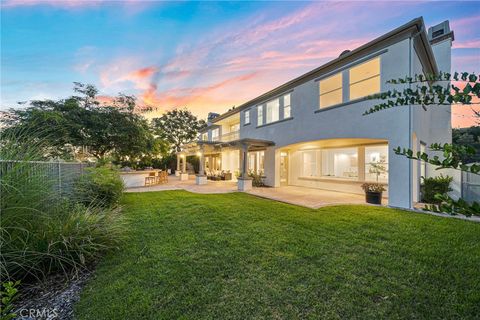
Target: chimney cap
x=212 y=115
x=440 y=32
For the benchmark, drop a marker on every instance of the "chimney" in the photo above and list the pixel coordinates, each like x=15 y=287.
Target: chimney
x=211 y=116
x=440 y=32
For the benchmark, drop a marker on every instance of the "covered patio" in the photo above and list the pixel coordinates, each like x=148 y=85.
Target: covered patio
x=203 y=148
x=301 y=196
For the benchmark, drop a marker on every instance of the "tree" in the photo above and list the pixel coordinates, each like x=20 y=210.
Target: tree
x=178 y=127
x=468 y=136
x=432 y=91
x=79 y=123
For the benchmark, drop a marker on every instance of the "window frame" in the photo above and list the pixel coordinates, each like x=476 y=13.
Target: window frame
x=260 y=115
x=341 y=89
x=289 y=106
x=246 y=116
x=367 y=163
x=363 y=80
x=217 y=130
x=312 y=163
x=272 y=105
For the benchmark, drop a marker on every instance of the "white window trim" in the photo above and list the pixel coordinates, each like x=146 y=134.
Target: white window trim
x=245 y=113
x=260 y=115
x=346 y=74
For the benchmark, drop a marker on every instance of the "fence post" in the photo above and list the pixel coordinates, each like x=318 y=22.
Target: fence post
x=59 y=178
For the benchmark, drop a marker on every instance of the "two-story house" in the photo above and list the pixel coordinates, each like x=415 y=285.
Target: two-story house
x=311 y=131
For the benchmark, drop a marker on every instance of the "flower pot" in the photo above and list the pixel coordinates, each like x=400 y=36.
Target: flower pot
x=373 y=197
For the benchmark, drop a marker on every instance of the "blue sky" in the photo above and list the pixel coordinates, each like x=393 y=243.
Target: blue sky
x=207 y=56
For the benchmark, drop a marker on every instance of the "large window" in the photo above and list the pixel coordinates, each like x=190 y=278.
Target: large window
x=215 y=134
x=365 y=79
x=256 y=162
x=309 y=163
x=331 y=91
x=286 y=106
x=247 y=117
x=260 y=115
x=235 y=127
x=376 y=163
x=340 y=163
x=273 y=110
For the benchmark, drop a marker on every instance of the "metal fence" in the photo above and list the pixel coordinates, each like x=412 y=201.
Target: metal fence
x=61 y=175
x=470 y=187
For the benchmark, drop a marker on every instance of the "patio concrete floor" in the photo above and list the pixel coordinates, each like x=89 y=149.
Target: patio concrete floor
x=306 y=197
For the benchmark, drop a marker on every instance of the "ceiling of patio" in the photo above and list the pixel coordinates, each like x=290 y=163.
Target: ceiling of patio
x=334 y=143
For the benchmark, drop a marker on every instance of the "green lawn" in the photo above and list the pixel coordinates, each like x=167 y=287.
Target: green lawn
x=235 y=256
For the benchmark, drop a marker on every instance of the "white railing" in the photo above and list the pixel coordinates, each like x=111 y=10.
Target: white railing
x=230 y=136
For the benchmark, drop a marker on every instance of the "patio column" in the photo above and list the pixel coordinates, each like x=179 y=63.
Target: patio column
x=177 y=172
x=184 y=164
x=183 y=173
x=201 y=168
x=201 y=178
x=244 y=181
x=244 y=161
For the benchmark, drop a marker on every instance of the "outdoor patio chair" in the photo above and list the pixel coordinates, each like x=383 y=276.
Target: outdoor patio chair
x=163 y=176
x=158 y=177
x=151 y=179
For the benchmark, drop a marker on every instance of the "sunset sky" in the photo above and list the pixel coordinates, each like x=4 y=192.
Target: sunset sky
x=206 y=56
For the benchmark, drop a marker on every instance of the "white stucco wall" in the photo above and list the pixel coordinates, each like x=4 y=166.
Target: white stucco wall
x=345 y=121
x=397 y=126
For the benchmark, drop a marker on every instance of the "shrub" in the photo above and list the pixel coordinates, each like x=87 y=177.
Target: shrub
x=435 y=185
x=99 y=186
x=42 y=232
x=8 y=294
x=257 y=179
x=373 y=187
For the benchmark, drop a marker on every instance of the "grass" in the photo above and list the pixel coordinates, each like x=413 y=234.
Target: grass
x=43 y=230
x=235 y=256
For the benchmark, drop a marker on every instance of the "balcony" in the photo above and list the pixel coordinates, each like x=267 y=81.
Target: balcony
x=227 y=137
x=231 y=136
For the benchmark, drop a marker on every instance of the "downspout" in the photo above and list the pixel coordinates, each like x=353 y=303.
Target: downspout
x=410 y=120
x=410 y=128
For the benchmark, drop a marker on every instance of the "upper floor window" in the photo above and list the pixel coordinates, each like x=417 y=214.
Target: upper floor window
x=286 y=106
x=273 y=110
x=247 y=116
x=331 y=91
x=365 y=79
x=259 y=115
x=234 y=127
x=215 y=134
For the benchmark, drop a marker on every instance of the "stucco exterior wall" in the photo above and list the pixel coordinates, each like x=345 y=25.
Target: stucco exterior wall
x=345 y=121
x=402 y=126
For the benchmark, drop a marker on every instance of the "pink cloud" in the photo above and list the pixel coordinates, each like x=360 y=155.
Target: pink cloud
x=229 y=66
x=185 y=96
x=65 y=4
x=134 y=6
x=142 y=73
x=467 y=44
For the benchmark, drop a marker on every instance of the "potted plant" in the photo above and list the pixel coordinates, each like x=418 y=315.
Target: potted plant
x=373 y=192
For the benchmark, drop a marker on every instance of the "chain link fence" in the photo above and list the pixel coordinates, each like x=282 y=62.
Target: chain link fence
x=470 y=187
x=61 y=174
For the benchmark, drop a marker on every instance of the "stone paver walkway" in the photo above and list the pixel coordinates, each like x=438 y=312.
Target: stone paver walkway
x=306 y=197
x=174 y=183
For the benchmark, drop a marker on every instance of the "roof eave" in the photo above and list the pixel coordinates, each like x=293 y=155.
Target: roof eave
x=408 y=29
